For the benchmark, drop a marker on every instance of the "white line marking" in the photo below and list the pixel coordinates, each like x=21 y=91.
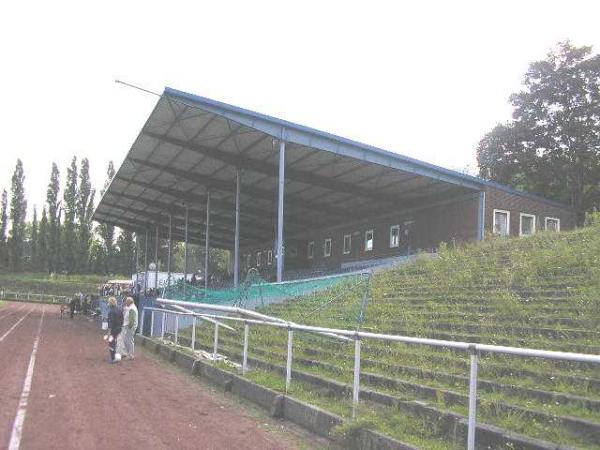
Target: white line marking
x=12 y=312
x=15 y=325
x=17 y=429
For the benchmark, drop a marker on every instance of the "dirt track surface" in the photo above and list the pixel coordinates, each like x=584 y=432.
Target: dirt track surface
x=80 y=401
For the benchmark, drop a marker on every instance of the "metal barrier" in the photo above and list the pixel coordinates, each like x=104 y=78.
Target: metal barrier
x=32 y=297
x=474 y=349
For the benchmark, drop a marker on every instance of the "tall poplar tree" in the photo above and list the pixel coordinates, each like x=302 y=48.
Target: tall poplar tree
x=54 y=261
x=107 y=232
x=70 y=246
x=3 y=229
x=42 y=242
x=84 y=194
x=33 y=243
x=18 y=210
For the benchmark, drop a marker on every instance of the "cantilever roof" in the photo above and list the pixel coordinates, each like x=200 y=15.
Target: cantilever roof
x=191 y=144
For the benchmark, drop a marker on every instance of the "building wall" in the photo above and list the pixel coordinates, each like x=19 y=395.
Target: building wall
x=517 y=203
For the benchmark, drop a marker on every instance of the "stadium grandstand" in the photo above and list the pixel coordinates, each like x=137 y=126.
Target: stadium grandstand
x=294 y=202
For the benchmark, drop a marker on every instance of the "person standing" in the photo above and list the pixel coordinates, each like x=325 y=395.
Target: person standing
x=115 y=326
x=130 y=323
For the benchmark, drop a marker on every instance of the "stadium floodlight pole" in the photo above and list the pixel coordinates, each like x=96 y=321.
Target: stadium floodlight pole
x=185 y=248
x=146 y=261
x=169 y=251
x=156 y=260
x=207 y=239
x=236 y=245
x=280 y=211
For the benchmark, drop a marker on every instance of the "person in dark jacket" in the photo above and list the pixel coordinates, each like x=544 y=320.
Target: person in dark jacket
x=115 y=325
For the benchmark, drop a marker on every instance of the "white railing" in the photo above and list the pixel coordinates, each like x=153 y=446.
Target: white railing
x=32 y=297
x=474 y=349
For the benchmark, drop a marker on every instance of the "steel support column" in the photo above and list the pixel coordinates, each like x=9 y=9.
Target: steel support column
x=146 y=261
x=236 y=245
x=185 y=248
x=207 y=240
x=137 y=261
x=156 y=259
x=280 y=211
x=481 y=217
x=169 y=251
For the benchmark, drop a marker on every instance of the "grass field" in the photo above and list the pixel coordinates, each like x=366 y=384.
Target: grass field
x=42 y=283
x=539 y=292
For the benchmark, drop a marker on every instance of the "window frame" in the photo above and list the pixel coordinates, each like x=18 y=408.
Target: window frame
x=521 y=215
x=394 y=227
x=310 y=251
x=367 y=240
x=503 y=211
x=248 y=261
x=325 y=253
x=269 y=257
x=557 y=219
x=349 y=249
x=258 y=259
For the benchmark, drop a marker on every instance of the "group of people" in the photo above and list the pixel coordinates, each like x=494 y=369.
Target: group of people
x=122 y=326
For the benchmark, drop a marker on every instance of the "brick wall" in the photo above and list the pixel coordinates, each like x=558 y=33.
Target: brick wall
x=519 y=203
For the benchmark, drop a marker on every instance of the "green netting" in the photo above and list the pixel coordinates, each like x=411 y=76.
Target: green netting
x=256 y=292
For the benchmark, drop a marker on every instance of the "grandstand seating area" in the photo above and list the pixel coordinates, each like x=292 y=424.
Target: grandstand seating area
x=538 y=292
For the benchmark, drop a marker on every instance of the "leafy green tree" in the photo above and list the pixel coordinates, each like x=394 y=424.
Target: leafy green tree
x=552 y=145
x=107 y=232
x=42 y=243
x=33 y=242
x=3 y=229
x=125 y=253
x=18 y=210
x=70 y=206
x=54 y=261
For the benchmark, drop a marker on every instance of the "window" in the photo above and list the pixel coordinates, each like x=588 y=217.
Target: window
x=327 y=248
x=270 y=257
x=527 y=225
x=552 y=224
x=395 y=236
x=347 y=243
x=368 y=240
x=311 y=249
x=258 y=258
x=248 y=261
x=501 y=222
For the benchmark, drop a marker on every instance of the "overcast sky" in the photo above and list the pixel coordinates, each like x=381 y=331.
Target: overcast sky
x=425 y=79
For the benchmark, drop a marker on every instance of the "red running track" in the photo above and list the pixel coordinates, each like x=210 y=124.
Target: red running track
x=80 y=401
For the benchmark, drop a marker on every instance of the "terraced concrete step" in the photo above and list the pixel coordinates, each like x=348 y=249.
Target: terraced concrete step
x=498 y=435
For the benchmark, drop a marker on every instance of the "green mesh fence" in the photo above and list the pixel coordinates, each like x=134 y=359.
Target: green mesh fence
x=255 y=292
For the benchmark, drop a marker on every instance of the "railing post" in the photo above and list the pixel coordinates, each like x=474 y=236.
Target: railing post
x=194 y=333
x=245 y=356
x=164 y=324
x=216 y=343
x=472 y=398
x=356 y=385
x=142 y=321
x=151 y=324
x=288 y=366
x=176 y=329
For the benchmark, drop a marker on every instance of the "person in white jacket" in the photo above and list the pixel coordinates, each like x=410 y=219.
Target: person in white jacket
x=130 y=324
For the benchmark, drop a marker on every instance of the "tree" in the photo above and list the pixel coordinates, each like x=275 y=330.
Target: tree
x=125 y=253
x=53 y=220
x=3 y=228
x=70 y=206
x=552 y=145
x=18 y=210
x=84 y=195
x=42 y=243
x=106 y=231
x=33 y=242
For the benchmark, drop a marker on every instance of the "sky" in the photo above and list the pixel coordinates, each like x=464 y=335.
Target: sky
x=425 y=79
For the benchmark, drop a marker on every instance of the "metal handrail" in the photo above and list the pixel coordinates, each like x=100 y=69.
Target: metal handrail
x=15 y=295
x=474 y=349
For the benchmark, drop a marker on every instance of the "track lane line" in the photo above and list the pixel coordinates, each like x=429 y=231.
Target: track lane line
x=15 y=325
x=12 y=312
x=17 y=429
